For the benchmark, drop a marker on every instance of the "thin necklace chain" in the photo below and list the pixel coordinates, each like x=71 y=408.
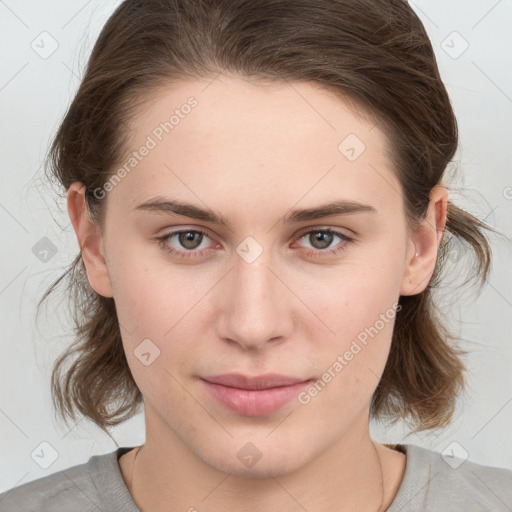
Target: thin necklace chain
x=374 y=447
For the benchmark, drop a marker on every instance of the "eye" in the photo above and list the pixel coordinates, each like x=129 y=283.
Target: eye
x=189 y=239
x=322 y=240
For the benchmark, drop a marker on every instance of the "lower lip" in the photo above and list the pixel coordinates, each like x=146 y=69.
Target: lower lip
x=254 y=402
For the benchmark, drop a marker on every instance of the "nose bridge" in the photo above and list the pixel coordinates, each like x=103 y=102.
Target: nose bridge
x=254 y=310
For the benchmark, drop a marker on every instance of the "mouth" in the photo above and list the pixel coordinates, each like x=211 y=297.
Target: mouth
x=253 y=396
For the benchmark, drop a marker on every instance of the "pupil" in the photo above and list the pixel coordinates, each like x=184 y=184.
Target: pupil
x=325 y=239
x=187 y=239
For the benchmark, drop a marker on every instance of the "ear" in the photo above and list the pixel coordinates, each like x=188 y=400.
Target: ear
x=90 y=240
x=424 y=243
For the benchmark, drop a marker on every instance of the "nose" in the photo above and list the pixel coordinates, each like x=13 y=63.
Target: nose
x=255 y=305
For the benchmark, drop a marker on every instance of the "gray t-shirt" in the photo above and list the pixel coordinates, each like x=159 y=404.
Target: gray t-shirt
x=430 y=483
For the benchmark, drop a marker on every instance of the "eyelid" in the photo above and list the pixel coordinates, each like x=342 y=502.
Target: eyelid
x=195 y=229
x=334 y=229
x=300 y=233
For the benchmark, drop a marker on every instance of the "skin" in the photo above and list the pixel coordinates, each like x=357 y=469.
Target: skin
x=252 y=152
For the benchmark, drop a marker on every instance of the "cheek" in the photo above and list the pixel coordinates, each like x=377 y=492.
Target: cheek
x=360 y=310
x=355 y=297
x=151 y=292
x=157 y=318
x=352 y=362
x=156 y=302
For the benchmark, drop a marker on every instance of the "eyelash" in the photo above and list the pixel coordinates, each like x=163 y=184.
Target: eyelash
x=315 y=253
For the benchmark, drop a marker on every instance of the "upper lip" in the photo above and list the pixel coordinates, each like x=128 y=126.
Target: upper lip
x=267 y=381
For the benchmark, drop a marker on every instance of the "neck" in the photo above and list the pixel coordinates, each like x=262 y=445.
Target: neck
x=353 y=474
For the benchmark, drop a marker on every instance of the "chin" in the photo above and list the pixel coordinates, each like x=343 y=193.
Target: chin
x=273 y=468
x=259 y=459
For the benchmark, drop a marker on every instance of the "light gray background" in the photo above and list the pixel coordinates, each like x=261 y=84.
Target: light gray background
x=34 y=93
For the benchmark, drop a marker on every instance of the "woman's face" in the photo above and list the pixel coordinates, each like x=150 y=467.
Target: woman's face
x=255 y=284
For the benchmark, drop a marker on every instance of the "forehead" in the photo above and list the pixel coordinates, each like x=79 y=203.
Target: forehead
x=282 y=140
x=280 y=112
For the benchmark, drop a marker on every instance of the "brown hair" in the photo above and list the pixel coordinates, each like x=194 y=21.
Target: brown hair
x=374 y=54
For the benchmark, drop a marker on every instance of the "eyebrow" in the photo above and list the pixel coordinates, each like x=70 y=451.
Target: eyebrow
x=173 y=206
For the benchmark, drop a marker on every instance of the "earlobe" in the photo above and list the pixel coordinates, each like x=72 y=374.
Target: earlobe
x=90 y=240
x=424 y=243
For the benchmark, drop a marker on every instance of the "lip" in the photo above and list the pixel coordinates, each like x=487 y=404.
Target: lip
x=253 y=396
